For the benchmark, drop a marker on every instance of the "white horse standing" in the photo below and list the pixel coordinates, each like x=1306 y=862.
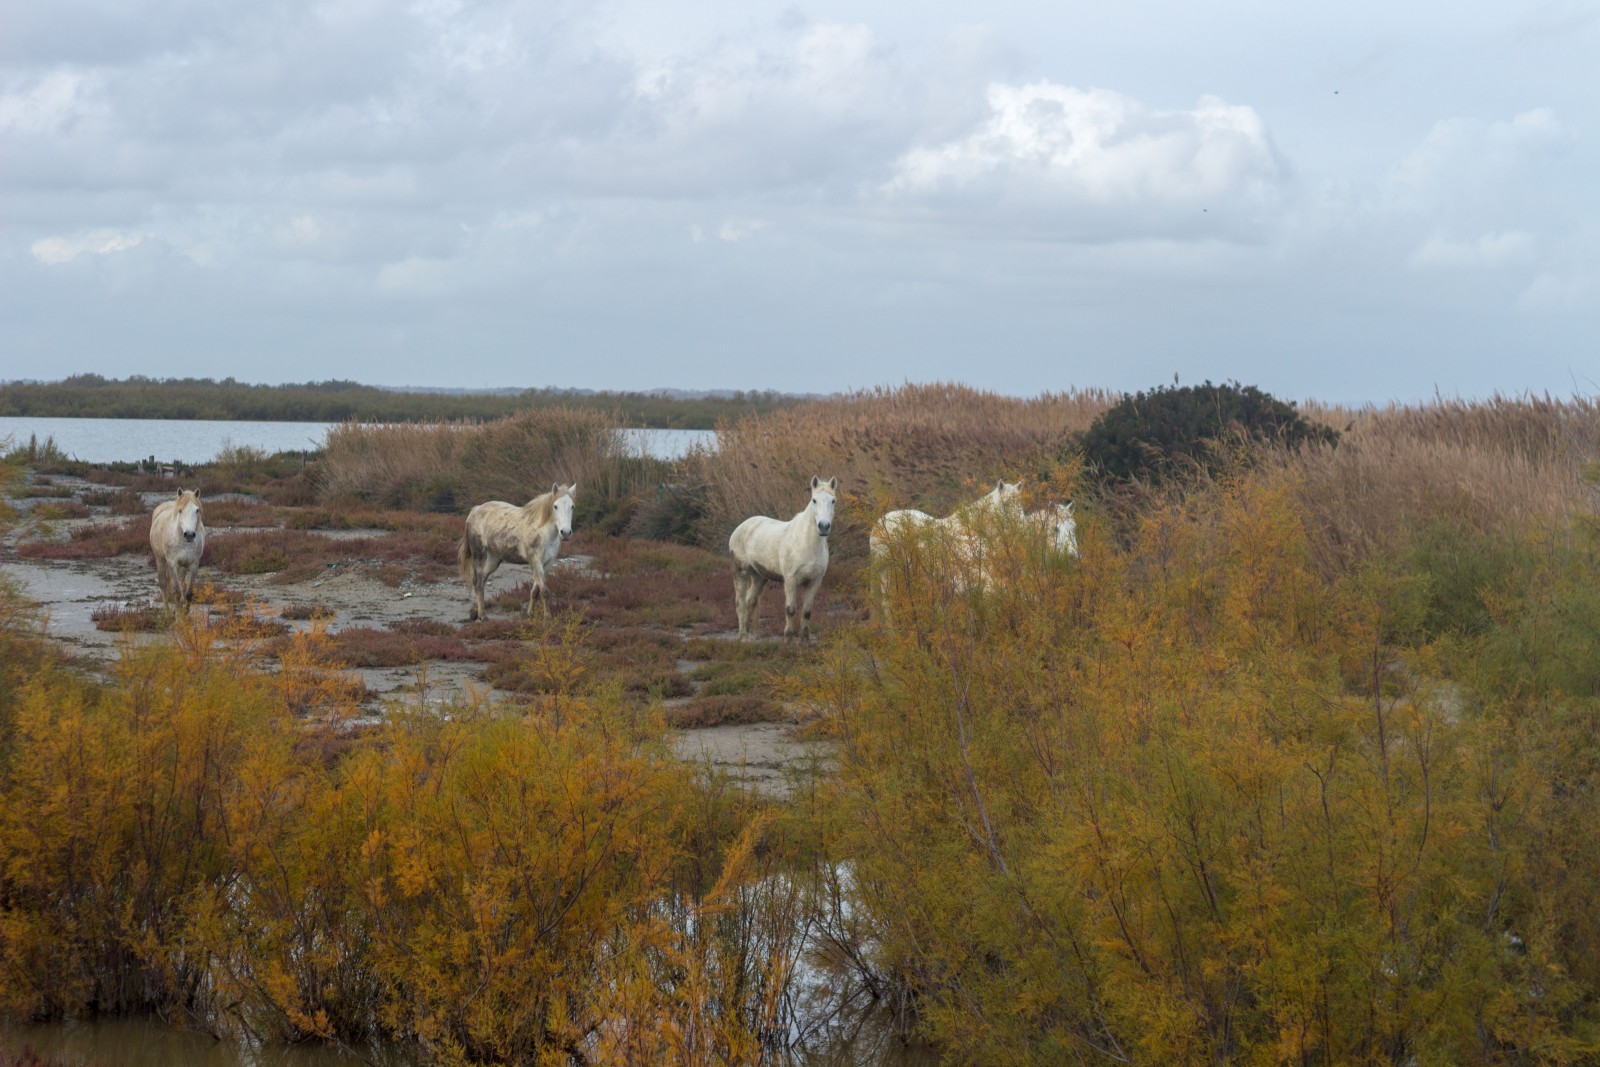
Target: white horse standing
x=178 y=539
x=498 y=533
x=794 y=553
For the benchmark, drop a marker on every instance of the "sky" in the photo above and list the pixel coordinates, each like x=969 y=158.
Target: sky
x=1348 y=202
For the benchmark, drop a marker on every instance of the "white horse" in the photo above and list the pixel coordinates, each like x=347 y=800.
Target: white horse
x=1002 y=499
x=794 y=553
x=498 y=533
x=963 y=539
x=178 y=538
x=1062 y=526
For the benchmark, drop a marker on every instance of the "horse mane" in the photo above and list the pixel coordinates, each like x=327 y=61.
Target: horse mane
x=541 y=508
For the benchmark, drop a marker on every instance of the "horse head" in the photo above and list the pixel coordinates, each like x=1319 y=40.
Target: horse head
x=822 y=501
x=561 y=504
x=188 y=513
x=1003 y=498
x=1063 y=528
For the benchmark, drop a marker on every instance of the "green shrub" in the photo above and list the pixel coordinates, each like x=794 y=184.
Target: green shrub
x=1154 y=435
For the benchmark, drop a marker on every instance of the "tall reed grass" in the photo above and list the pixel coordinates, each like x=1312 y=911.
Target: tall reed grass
x=1488 y=466
x=452 y=466
x=925 y=446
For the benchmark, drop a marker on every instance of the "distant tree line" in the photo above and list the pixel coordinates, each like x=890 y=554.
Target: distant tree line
x=138 y=397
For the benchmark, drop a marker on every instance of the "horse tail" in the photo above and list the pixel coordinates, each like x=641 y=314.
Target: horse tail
x=470 y=549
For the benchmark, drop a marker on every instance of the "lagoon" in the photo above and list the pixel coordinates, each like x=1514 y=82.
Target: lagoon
x=198 y=441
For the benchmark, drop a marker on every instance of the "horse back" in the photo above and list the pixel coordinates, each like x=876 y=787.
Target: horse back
x=163 y=525
x=501 y=530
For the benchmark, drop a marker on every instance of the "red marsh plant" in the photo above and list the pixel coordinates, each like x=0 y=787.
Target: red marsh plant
x=128 y=618
x=100 y=540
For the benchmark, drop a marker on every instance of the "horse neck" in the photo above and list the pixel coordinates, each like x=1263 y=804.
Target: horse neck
x=806 y=521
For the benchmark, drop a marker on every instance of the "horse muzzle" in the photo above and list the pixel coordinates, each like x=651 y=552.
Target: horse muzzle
x=565 y=534
x=824 y=529
x=188 y=535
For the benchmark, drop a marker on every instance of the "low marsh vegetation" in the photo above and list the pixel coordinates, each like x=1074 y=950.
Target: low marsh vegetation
x=1297 y=762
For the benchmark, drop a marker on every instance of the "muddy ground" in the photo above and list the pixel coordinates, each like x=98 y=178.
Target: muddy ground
x=348 y=594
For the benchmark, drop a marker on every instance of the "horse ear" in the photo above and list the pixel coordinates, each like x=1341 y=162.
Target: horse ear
x=833 y=483
x=555 y=487
x=815 y=481
x=1069 y=507
x=572 y=490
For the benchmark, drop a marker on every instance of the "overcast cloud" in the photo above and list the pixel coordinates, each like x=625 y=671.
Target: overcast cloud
x=1370 y=201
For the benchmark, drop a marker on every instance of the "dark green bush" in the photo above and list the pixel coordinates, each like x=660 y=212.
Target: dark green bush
x=1154 y=435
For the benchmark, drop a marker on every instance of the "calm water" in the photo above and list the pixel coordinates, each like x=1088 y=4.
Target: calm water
x=193 y=441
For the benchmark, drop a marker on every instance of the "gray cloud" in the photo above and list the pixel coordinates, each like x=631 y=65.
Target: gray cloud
x=355 y=187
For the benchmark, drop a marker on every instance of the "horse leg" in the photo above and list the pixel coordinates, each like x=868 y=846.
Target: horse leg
x=747 y=587
x=472 y=571
x=186 y=575
x=808 y=595
x=481 y=571
x=537 y=590
x=792 y=592
x=164 y=580
x=738 y=602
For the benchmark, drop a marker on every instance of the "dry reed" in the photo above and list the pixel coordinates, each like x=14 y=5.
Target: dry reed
x=1490 y=466
x=451 y=466
x=925 y=446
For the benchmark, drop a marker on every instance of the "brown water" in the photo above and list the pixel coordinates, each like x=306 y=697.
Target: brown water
x=150 y=1043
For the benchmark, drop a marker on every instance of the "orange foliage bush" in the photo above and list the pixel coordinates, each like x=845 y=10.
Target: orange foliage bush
x=1185 y=801
x=494 y=887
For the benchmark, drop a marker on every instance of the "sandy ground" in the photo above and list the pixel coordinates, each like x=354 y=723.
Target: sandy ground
x=764 y=755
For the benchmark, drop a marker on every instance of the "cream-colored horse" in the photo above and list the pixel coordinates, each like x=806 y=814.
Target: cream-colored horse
x=498 y=533
x=178 y=539
x=963 y=541
x=1002 y=499
x=999 y=499
x=794 y=553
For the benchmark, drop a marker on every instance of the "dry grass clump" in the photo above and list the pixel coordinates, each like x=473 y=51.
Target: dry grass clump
x=727 y=710
x=54 y=510
x=100 y=540
x=317 y=612
x=451 y=466
x=242 y=513
x=640 y=663
x=246 y=622
x=128 y=618
x=630 y=583
x=121 y=501
x=295 y=555
x=42 y=489
x=1488 y=466
x=407 y=645
x=926 y=446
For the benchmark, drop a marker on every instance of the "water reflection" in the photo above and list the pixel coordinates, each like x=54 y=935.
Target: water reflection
x=151 y=1043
